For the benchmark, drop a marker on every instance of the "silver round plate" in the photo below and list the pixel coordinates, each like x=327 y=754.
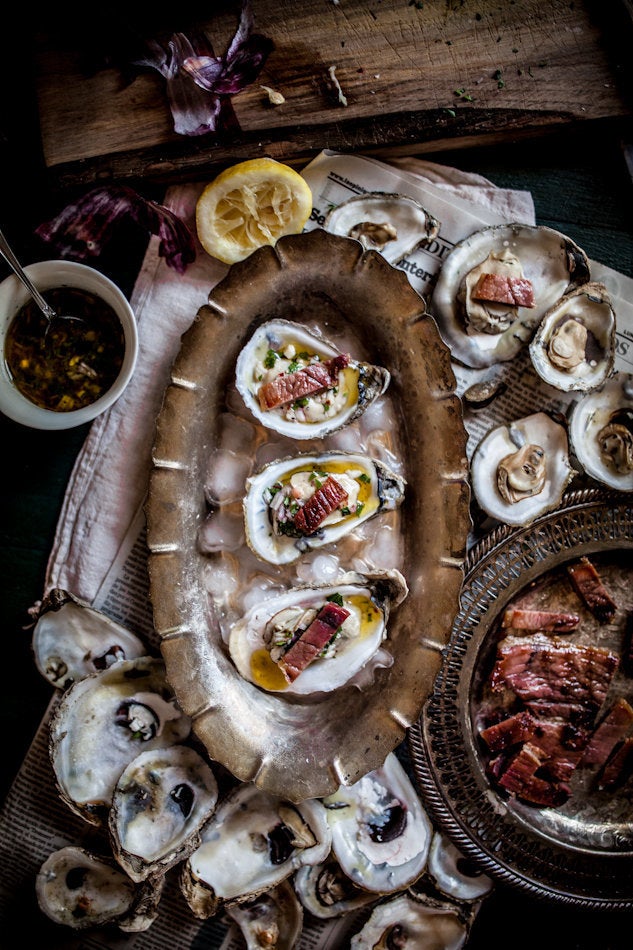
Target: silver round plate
x=581 y=853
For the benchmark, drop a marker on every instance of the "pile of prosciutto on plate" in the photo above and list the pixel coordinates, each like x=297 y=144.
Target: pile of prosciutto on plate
x=557 y=706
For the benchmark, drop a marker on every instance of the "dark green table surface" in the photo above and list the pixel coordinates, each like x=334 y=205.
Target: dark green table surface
x=581 y=186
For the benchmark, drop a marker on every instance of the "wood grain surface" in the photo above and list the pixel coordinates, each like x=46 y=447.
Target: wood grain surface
x=417 y=76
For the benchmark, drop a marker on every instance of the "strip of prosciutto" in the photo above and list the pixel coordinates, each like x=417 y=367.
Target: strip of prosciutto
x=497 y=288
x=312 y=640
x=288 y=387
x=326 y=499
x=615 y=725
x=540 y=620
x=520 y=778
x=588 y=585
x=543 y=668
x=618 y=767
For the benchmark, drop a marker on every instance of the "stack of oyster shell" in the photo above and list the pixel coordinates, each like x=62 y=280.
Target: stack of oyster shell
x=126 y=762
x=545 y=304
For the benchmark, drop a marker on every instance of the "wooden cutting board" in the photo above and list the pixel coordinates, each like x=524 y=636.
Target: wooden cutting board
x=414 y=76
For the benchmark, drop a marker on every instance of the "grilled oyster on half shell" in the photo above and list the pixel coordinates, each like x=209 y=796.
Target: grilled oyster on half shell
x=298 y=384
x=261 y=643
x=348 y=489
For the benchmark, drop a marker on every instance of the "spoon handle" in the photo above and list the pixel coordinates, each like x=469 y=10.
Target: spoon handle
x=12 y=261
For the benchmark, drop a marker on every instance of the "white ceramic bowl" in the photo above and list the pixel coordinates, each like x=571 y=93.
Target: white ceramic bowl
x=47 y=275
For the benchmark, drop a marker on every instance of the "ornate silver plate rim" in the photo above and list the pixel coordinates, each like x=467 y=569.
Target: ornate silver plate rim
x=444 y=759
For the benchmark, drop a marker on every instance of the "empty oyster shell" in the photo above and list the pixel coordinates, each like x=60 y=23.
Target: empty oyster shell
x=574 y=346
x=520 y=471
x=71 y=639
x=601 y=432
x=252 y=843
x=103 y=722
x=380 y=832
x=274 y=919
x=551 y=263
x=159 y=804
x=259 y=642
x=327 y=891
x=387 y=222
x=353 y=488
x=454 y=874
x=79 y=889
x=323 y=389
x=411 y=920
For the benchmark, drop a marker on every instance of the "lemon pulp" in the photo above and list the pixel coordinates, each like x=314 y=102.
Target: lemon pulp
x=250 y=205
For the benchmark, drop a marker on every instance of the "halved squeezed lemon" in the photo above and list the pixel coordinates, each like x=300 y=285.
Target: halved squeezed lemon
x=249 y=205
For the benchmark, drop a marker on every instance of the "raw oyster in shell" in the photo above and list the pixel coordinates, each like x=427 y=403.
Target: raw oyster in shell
x=387 y=222
x=574 y=346
x=286 y=500
x=411 y=920
x=159 y=804
x=298 y=384
x=274 y=919
x=252 y=842
x=601 y=432
x=380 y=832
x=481 y=333
x=71 y=639
x=520 y=471
x=261 y=643
x=79 y=889
x=103 y=722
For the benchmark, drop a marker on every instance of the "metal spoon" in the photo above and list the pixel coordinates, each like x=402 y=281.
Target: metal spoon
x=14 y=264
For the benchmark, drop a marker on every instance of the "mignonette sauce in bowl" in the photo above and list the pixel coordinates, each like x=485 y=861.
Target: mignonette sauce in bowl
x=66 y=373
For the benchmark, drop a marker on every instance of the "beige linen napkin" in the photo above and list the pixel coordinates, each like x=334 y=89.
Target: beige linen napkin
x=109 y=480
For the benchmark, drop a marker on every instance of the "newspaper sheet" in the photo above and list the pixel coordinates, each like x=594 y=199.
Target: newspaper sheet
x=100 y=555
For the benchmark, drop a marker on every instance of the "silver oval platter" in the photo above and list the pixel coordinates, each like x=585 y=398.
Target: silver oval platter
x=577 y=849
x=204 y=578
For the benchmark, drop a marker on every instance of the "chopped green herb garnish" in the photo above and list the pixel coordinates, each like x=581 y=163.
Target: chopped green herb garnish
x=336 y=599
x=359 y=507
x=293 y=366
x=300 y=403
x=270 y=359
x=363 y=477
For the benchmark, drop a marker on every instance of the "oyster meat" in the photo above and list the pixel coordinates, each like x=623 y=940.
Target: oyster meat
x=315 y=639
x=387 y=222
x=71 y=639
x=574 y=346
x=303 y=502
x=496 y=285
x=298 y=384
x=410 y=920
x=103 y=722
x=380 y=832
x=79 y=889
x=274 y=919
x=601 y=432
x=159 y=804
x=252 y=842
x=520 y=471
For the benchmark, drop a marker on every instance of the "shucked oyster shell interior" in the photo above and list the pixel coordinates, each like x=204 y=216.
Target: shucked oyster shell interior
x=308 y=749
